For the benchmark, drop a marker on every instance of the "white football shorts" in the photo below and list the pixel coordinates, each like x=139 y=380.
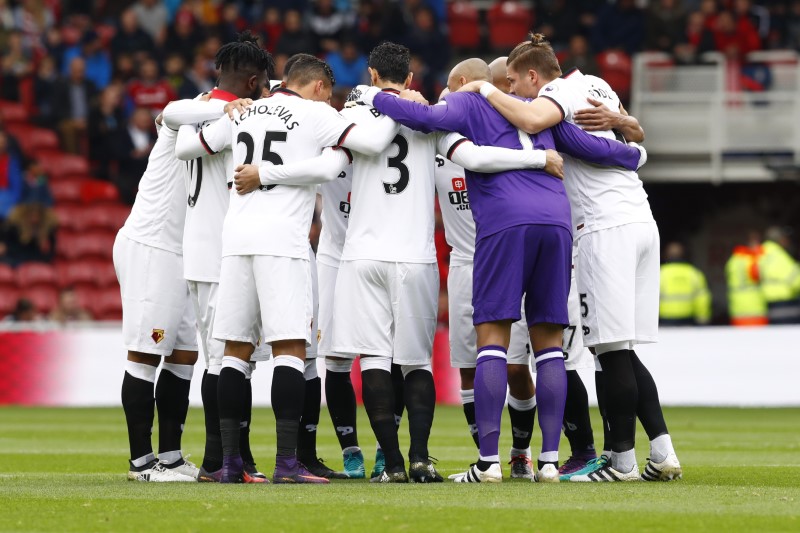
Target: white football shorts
x=327 y=287
x=463 y=340
x=576 y=356
x=157 y=315
x=388 y=309
x=313 y=349
x=618 y=284
x=273 y=291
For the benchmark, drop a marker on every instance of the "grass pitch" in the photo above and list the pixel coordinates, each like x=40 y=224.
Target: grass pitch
x=64 y=470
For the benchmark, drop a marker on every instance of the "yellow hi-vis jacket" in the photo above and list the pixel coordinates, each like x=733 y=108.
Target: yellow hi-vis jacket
x=779 y=273
x=684 y=294
x=746 y=304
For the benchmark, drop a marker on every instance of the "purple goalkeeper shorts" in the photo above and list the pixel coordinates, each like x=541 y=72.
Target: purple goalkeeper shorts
x=533 y=260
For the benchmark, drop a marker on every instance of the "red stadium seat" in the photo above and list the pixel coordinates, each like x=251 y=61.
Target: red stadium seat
x=92 y=273
x=615 y=68
x=107 y=304
x=462 y=18
x=34 y=274
x=509 y=24
x=33 y=140
x=43 y=298
x=92 y=244
x=104 y=216
x=66 y=191
x=13 y=112
x=7 y=276
x=94 y=191
x=58 y=164
x=8 y=300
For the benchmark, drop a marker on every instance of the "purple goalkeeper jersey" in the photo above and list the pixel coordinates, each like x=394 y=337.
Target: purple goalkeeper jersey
x=515 y=197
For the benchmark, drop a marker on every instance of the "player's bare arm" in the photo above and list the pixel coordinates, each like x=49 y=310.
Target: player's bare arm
x=314 y=171
x=554 y=164
x=601 y=118
x=530 y=117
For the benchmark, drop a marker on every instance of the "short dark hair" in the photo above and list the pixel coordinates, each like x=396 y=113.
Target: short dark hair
x=391 y=61
x=292 y=60
x=308 y=69
x=534 y=54
x=243 y=54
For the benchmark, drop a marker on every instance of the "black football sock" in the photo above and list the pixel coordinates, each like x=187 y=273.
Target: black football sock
x=577 y=424
x=138 y=403
x=212 y=459
x=288 y=394
x=621 y=398
x=244 y=425
x=600 y=387
x=307 y=436
x=522 y=414
x=468 y=402
x=379 y=404
x=398 y=384
x=420 y=398
x=231 y=392
x=172 y=403
x=649 y=407
x=342 y=407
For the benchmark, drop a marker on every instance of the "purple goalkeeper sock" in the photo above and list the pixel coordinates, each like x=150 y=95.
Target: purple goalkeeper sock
x=551 y=397
x=491 y=376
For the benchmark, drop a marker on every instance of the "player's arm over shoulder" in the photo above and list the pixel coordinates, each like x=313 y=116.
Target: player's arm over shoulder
x=210 y=140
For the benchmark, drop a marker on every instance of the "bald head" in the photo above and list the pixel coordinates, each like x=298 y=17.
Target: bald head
x=472 y=69
x=499 y=78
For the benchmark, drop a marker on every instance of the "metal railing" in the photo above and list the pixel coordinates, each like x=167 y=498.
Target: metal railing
x=703 y=124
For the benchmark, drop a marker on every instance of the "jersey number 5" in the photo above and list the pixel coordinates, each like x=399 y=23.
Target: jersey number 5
x=267 y=154
x=397 y=162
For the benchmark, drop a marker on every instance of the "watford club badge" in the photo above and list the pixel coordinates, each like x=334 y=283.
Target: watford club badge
x=158 y=335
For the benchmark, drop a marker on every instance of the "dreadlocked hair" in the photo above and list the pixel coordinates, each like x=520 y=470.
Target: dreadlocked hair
x=245 y=53
x=535 y=54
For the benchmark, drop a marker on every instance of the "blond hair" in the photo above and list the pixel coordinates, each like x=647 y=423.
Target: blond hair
x=535 y=54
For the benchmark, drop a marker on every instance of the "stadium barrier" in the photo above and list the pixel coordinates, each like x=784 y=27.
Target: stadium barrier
x=711 y=366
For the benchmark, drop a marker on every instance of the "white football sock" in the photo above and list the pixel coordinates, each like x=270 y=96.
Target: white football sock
x=624 y=462
x=660 y=448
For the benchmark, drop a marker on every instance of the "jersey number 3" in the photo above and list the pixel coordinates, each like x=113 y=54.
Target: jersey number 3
x=397 y=162
x=267 y=154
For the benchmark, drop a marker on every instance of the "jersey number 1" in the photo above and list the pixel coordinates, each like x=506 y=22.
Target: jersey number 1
x=197 y=164
x=267 y=154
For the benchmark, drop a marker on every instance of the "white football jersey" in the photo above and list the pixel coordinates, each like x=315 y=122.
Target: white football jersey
x=207 y=202
x=159 y=210
x=284 y=128
x=335 y=216
x=600 y=197
x=392 y=213
x=459 y=226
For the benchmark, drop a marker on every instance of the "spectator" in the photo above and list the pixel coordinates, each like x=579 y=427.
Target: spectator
x=184 y=37
x=11 y=179
x=349 y=65
x=132 y=146
x=71 y=99
x=779 y=275
x=124 y=69
x=685 y=299
x=198 y=79
x=666 y=26
x=746 y=303
x=96 y=58
x=733 y=38
x=369 y=26
x=24 y=311
x=557 y=22
x=427 y=42
x=619 y=26
x=580 y=57
x=33 y=18
x=31 y=234
x=327 y=26
x=44 y=86
x=685 y=50
x=294 y=39
x=149 y=90
x=232 y=23
x=758 y=16
x=105 y=120
x=54 y=46
x=152 y=16
x=16 y=65
x=270 y=28
x=35 y=189
x=68 y=309
x=131 y=38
